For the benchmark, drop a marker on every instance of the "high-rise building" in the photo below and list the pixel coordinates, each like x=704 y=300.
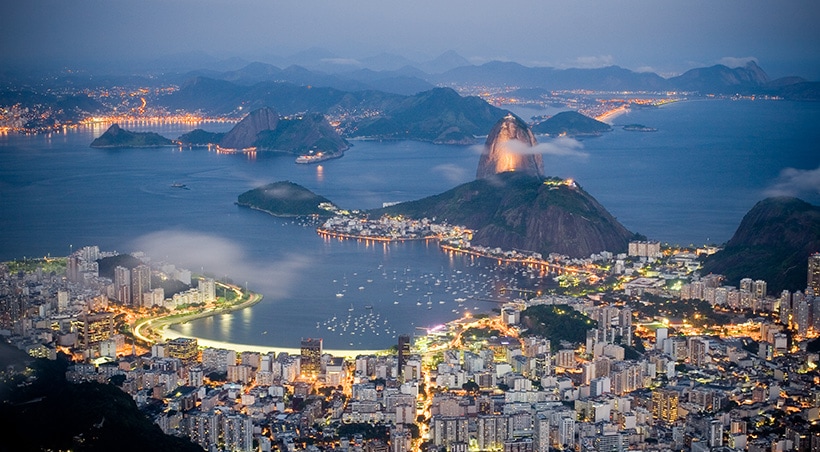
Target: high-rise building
x=140 y=283
x=813 y=280
x=566 y=432
x=541 y=433
x=492 y=430
x=746 y=284
x=801 y=316
x=207 y=289
x=665 y=405
x=404 y=352
x=759 y=289
x=122 y=284
x=182 y=348
x=237 y=432
x=311 y=362
x=97 y=327
x=785 y=307
x=447 y=430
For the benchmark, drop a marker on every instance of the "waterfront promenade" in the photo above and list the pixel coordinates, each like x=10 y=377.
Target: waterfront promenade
x=157 y=329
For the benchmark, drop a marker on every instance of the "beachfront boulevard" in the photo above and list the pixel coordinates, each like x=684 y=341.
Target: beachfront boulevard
x=150 y=330
x=652 y=357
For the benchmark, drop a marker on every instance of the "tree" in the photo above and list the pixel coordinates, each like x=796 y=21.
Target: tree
x=470 y=386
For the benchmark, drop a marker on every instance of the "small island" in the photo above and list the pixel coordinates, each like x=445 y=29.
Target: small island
x=117 y=137
x=286 y=199
x=639 y=128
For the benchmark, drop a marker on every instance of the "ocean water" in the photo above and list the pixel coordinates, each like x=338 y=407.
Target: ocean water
x=690 y=182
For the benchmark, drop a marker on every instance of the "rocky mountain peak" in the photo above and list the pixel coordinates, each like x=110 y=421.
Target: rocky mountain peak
x=245 y=133
x=507 y=149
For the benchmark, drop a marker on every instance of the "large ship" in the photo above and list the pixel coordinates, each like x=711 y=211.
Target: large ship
x=316 y=157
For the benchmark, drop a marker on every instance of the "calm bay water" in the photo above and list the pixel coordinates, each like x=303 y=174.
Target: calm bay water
x=690 y=182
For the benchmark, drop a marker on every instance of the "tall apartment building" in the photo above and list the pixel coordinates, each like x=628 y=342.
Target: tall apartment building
x=122 y=285
x=311 y=357
x=182 y=348
x=665 y=405
x=813 y=280
x=140 y=283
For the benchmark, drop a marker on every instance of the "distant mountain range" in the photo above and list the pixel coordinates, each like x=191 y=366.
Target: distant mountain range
x=389 y=97
x=407 y=80
x=439 y=115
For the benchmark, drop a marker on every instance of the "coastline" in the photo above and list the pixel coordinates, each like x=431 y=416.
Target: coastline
x=273 y=214
x=160 y=327
x=609 y=116
x=155 y=325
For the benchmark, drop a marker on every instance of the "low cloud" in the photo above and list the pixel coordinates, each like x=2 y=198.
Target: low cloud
x=558 y=147
x=214 y=255
x=796 y=182
x=286 y=192
x=451 y=172
x=592 y=62
x=734 y=62
x=342 y=61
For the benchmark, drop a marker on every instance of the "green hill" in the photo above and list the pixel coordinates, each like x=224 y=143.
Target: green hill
x=284 y=199
x=517 y=211
x=45 y=412
x=557 y=323
x=199 y=137
x=772 y=243
x=571 y=123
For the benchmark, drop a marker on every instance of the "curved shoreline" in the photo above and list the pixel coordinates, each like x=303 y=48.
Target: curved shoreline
x=155 y=325
x=159 y=327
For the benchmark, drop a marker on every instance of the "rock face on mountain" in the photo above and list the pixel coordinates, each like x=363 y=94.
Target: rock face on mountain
x=513 y=210
x=772 y=243
x=507 y=149
x=245 y=133
x=309 y=132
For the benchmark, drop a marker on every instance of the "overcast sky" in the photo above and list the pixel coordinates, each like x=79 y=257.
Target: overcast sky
x=659 y=35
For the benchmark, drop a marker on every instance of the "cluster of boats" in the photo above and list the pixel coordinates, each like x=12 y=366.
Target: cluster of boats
x=461 y=291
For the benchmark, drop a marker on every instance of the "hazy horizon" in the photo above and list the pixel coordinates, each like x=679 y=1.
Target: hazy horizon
x=642 y=35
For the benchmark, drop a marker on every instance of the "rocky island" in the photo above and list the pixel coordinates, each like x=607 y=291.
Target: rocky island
x=286 y=199
x=639 y=128
x=116 y=137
